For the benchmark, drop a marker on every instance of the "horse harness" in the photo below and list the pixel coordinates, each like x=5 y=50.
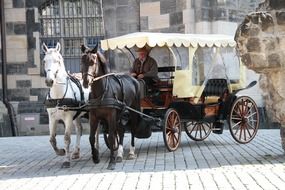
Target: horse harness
x=111 y=102
x=68 y=102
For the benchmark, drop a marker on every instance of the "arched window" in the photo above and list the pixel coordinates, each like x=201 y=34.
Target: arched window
x=72 y=23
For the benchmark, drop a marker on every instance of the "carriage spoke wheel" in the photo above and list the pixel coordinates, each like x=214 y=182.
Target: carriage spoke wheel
x=243 y=119
x=198 y=131
x=171 y=130
x=116 y=145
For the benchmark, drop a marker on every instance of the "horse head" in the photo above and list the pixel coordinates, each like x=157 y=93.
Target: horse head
x=93 y=64
x=53 y=63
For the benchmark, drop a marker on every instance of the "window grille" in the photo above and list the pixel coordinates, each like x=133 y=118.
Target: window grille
x=72 y=23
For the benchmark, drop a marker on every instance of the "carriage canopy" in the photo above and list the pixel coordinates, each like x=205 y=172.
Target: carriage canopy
x=196 y=58
x=141 y=39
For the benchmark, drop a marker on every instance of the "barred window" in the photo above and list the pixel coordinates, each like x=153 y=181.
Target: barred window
x=72 y=23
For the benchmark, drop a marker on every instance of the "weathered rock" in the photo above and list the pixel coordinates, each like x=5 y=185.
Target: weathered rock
x=261 y=43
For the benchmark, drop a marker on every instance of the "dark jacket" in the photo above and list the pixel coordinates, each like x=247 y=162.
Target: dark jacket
x=149 y=69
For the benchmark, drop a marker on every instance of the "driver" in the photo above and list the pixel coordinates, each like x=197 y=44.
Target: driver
x=145 y=70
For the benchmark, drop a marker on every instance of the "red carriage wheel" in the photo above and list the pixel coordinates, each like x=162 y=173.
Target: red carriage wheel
x=198 y=131
x=172 y=129
x=243 y=119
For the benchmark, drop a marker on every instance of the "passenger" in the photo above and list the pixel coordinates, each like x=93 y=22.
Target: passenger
x=145 y=70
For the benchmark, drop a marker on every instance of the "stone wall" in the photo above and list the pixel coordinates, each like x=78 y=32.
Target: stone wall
x=26 y=88
x=261 y=43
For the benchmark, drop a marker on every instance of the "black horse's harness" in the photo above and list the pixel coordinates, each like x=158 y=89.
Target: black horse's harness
x=111 y=102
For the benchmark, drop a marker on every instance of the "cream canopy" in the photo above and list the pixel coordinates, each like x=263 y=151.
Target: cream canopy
x=141 y=39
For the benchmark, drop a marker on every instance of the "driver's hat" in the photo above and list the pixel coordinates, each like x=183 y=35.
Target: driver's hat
x=143 y=49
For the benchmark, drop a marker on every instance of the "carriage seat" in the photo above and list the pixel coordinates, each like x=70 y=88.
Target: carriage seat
x=165 y=78
x=215 y=87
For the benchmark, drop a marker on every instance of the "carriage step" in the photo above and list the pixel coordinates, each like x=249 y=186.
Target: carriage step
x=218 y=127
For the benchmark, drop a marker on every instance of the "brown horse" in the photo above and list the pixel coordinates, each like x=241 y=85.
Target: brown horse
x=110 y=93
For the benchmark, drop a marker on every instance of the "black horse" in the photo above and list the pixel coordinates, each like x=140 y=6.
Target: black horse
x=110 y=93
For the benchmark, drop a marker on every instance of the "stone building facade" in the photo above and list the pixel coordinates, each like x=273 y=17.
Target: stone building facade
x=24 y=35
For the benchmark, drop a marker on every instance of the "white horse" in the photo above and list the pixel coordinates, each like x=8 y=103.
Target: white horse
x=64 y=91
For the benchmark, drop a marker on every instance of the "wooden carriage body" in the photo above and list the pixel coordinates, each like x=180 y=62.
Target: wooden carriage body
x=197 y=87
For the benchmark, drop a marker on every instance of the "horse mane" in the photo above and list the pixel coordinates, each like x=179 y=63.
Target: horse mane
x=103 y=62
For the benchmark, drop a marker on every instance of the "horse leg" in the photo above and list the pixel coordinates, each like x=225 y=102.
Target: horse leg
x=120 y=153
x=67 y=140
x=133 y=124
x=97 y=136
x=93 y=128
x=78 y=127
x=52 y=139
x=132 y=154
x=112 y=123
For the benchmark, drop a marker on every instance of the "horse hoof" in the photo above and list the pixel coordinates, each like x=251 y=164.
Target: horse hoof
x=119 y=159
x=66 y=165
x=75 y=156
x=131 y=157
x=96 y=160
x=60 y=152
x=111 y=166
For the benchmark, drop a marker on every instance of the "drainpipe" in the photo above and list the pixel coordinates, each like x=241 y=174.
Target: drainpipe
x=8 y=105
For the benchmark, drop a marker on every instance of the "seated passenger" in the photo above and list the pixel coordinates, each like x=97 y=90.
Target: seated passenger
x=145 y=70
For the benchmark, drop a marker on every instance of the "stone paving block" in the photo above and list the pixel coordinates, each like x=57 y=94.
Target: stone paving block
x=215 y=163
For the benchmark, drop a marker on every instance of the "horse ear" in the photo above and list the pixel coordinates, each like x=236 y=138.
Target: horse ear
x=57 y=47
x=44 y=47
x=95 y=49
x=83 y=48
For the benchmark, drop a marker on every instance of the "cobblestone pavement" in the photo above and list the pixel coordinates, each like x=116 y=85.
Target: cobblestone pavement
x=216 y=163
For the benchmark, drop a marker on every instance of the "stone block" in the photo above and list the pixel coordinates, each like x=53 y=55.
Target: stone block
x=31 y=107
x=122 y=12
x=34 y=98
x=10 y=28
x=188 y=16
x=176 y=18
x=22 y=94
x=40 y=93
x=8 y=4
x=167 y=6
x=23 y=83
x=16 y=77
x=254 y=32
x=203 y=27
x=280 y=17
x=20 y=29
x=274 y=60
x=144 y=23
x=38 y=82
x=17 y=55
x=223 y=27
x=18 y=3
x=277 y=4
x=109 y=3
x=15 y=15
x=181 y=5
x=150 y=9
x=122 y=2
x=160 y=21
x=16 y=41
x=253 y=45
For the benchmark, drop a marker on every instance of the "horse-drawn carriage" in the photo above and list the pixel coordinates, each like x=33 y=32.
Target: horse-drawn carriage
x=200 y=76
